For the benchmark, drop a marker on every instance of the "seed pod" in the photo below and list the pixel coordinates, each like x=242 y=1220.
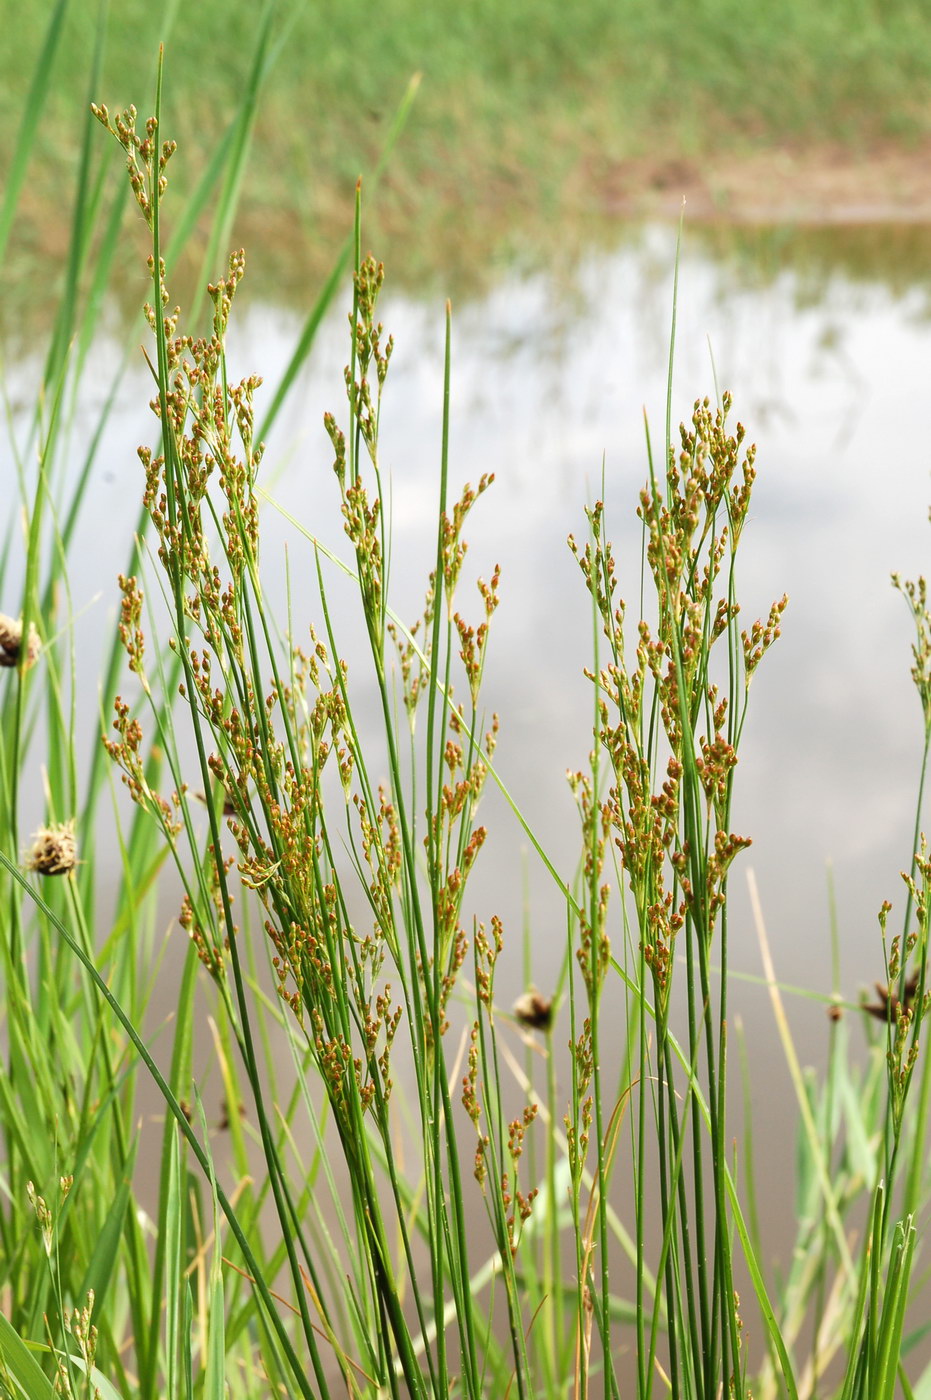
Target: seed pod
x=11 y=642
x=534 y=1010
x=54 y=850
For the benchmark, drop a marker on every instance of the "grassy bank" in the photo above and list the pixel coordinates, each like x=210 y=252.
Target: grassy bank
x=530 y=123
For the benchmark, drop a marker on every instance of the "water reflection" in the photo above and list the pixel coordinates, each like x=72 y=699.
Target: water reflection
x=834 y=394
x=551 y=382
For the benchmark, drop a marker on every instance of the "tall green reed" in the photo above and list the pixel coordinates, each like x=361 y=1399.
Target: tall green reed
x=669 y=712
x=265 y=725
x=675 y=848
x=72 y=1222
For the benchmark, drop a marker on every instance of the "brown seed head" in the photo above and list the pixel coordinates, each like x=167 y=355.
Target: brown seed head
x=887 y=1006
x=534 y=1010
x=11 y=642
x=54 y=850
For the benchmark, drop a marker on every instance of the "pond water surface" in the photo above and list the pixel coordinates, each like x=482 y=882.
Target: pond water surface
x=551 y=380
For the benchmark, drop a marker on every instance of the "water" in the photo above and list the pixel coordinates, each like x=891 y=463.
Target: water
x=549 y=391
x=550 y=385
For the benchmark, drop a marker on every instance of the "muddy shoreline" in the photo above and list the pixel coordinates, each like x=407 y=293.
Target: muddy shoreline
x=803 y=187
x=819 y=210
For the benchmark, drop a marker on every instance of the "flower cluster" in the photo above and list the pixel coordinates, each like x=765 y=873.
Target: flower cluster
x=692 y=523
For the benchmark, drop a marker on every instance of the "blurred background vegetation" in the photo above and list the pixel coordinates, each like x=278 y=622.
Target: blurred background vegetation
x=536 y=130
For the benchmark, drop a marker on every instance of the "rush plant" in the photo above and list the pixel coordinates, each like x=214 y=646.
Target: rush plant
x=405 y=1207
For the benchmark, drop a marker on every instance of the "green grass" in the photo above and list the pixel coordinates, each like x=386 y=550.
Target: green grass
x=417 y=1191
x=527 y=113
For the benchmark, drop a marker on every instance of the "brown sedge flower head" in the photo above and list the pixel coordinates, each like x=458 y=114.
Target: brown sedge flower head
x=454 y=547
x=534 y=1010
x=11 y=643
x=145 y=159
x=886 y=1007
x=916 y=596
x=54 y=850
